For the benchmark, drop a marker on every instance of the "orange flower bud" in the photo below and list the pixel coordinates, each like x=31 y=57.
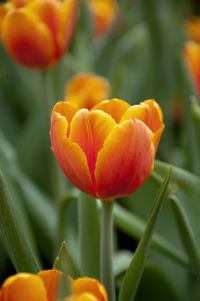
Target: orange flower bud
x=87 y=289
x=108 y=151
x=86 y=90
x=36 y=33
x=23 y=287
x=104 y=13
x=193 y=28
x=44 y=287
x=193 y=57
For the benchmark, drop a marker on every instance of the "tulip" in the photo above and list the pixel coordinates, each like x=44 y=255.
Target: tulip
x=109 y=151
x=86 y=90
x=37 y=33
x=193 y=57
x=87 y=289
x=104 y=13
x=44 y=287
x=30 y=287
x=193 y=28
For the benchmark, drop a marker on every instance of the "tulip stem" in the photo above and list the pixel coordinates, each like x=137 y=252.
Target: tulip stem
x=107 y=277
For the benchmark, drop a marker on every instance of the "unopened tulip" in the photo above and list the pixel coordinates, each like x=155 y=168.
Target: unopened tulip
x=85 y=90
x=104 y=13
x=108 y=151
x=45 y=286
x=193 y=57
x=37 y=33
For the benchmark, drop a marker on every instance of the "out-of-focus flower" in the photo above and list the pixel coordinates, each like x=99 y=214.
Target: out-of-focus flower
x=36 y=33
x=45 y=285
x=86 y=90
x=193 y=28
x=87 y=289
x=193 y=57
x=108 y=151
x=104 y=13
x=30 y=287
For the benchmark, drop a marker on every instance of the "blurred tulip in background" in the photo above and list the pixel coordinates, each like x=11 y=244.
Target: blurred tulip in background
x=37 y=33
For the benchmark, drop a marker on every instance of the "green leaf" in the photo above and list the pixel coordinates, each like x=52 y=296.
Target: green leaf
x=133 y=275
x=184 y=197
x=134 y=226
x=13 y=236
x=64 y=263
x=122 y=260
x=155 y=286
x=187 y=235
x=89 y=236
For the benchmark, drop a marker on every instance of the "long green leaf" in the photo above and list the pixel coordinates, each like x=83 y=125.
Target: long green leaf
x=185 y=192
x=89 y=236
x=134 y=226
x=13 y=236
x=187 y=235
x=133 y=275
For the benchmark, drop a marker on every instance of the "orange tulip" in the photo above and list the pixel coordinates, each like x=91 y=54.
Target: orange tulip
x=193 y=57
x=86 y=90
x=44 y=287
x=87 y=289
x=108 y=151
x=193 y=28
x=30 y=287
x=104 y=13
x=37 y=32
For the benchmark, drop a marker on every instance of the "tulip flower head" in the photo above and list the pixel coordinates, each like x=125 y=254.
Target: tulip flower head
x=193 y=28
x=36 y=33
x=86 y=90
x=108 y=151
x=193 y=57
x=104 y=13
x=45 y=285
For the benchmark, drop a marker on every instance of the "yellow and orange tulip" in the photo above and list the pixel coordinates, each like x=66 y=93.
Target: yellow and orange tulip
x=45 y=285
x=86 y=90
x=108 y=151
x=36 y=33
x=104 y=13
x=193 y=57
x=193 y=28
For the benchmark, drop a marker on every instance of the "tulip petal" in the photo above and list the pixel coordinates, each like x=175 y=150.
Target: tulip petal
x=27 y=39
x=48 y=12
x=24 y=287
x=51 y=280
x=125 y=161
x=66 y=109
x=68 y=20
x=70 y=156
x=89 y=285
x=87 y=90
x=150 y=113
x=89 y=130
x=114 y=107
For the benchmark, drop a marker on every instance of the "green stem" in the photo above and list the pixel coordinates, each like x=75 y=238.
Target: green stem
x=107 y=277
x=56 y=177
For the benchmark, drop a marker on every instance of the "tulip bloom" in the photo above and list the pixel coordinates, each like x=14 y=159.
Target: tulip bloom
x=104 y=13
x=193 y=28
x=193 y=57
x=36 y=33
x=86 y=90
x=45 y=285
x=87 y=289
x=108 y=151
